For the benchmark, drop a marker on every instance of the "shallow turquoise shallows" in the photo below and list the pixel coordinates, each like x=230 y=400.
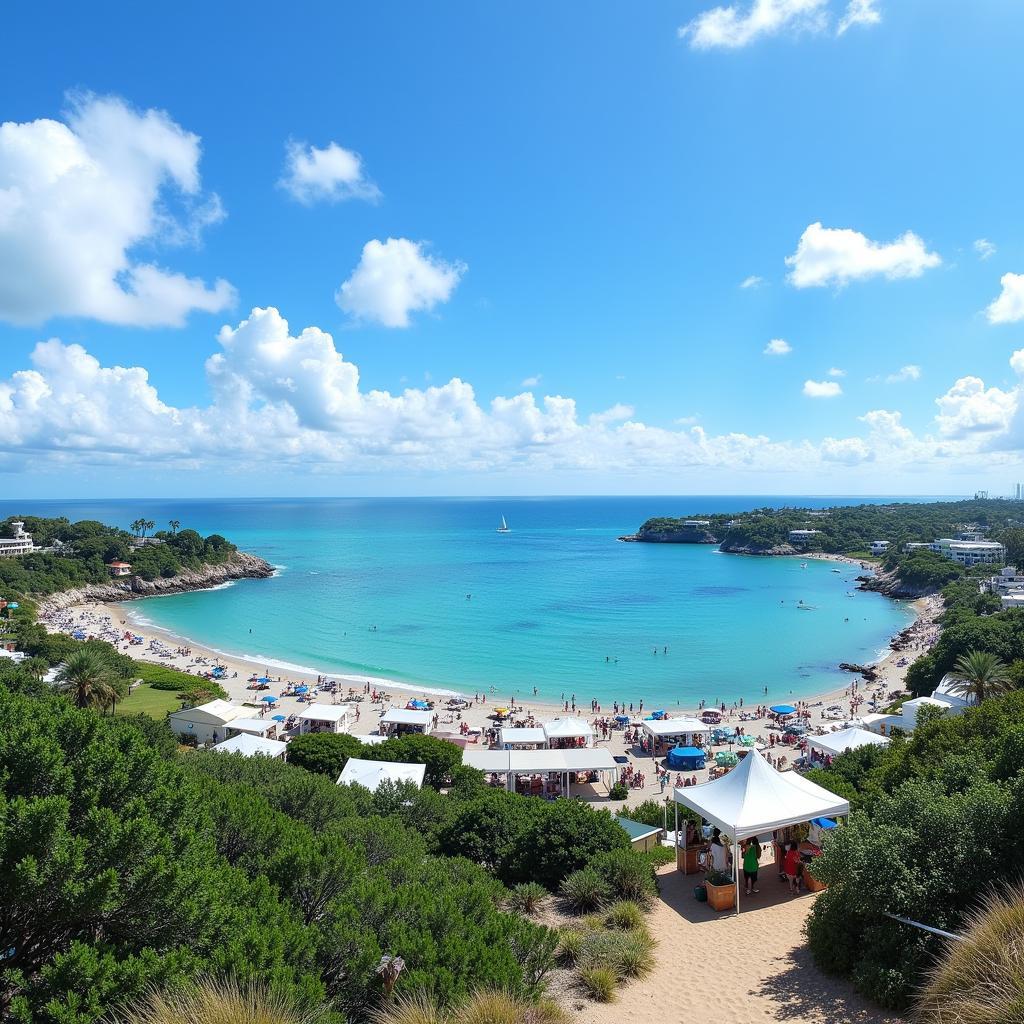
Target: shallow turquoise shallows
x=428 y=592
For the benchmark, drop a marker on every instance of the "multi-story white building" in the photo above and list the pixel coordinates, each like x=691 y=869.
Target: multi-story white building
x=19 y=544
x=1006 y=581
x=965 y=552
x=879 y=547
x=802 y=536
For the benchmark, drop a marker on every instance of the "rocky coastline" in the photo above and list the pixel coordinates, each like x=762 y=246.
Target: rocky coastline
x=240 y=566
x=692 y=536
x=735 y=548
x=888 y=582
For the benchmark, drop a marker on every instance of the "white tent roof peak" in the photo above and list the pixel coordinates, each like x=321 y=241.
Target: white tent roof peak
x=324 y=712
x=755 y=798
x=566 y=728
x=847 y=739
x=372 y=773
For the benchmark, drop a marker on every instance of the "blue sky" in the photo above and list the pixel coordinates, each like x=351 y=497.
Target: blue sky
x=575 y=194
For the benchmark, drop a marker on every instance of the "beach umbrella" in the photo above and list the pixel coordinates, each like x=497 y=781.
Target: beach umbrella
x=302 y=689
x=268 y=699
x=748 y=741
x=782 y=709
x=279 y=718
x=622 y=718
x=726 y=759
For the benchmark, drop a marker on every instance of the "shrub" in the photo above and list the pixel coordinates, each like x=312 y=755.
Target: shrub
x=527 y=898
x=584 y=890
x=570 y=946
x=220 y=1002
x=324 y=752
x=625 y=916
x=501 y=1008
x=627 y=875
x=409 y=1008
x=599 y=983
x=657 y=856
x=618 y=792
x=633 y=957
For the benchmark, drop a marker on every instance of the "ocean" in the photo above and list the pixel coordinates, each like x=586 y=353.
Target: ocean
x=427 y=592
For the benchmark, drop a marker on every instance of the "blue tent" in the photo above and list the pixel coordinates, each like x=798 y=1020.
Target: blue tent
x=419 y=705
x=782 y=709
x=279 y=718
x=657 y=715
x=687 y=759
x=824 y=823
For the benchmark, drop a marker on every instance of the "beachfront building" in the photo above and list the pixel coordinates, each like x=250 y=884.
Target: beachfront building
x=406 y=722
x=208 y=723
x=18 y=544
x=1008 y=580
x=522 y=739
x=564 y=733
x=1013 y=600
x=964 y=552
x=801 y=537
x=906 y=719
x=683 y=732
x=119 y=568
x=545 y=772
x=325 y=718
x=696 y=524
x=370 y=774
x=264 y=727
x=253 y=746
x=879 y=547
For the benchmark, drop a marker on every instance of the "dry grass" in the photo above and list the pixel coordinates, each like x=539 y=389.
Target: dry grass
x=980 y=980
x=600 y=983
x=216 y=1002
x=481 y=1008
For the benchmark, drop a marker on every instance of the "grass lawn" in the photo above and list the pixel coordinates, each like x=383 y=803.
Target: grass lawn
x=147 y=701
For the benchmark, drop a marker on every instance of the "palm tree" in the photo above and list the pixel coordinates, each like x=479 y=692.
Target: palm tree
x=174 y=524
x=979 y=675
x=149 y=526
x=88 y=680
x=138 y=525
x=979 y=980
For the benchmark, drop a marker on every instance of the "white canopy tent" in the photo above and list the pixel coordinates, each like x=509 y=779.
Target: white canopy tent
x=252 y=746
x=254 y=727
x=511 y=737
x=669 y=728
x=511 y=763
x=398 y=721
x=371 y=774
x=324 y=718
x=846 y=739
x=754 y=798
x=569 y=729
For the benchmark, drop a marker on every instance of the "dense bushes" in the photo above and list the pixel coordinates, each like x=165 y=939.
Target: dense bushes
x=938 y=823
x=324 y=752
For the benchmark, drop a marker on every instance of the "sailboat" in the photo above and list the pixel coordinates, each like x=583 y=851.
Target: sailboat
x=504 y=526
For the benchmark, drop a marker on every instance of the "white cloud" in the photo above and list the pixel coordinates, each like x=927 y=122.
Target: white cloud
x=968 y=407
x=531 y=382
x=849 y=451
x=859 y=12
x=331 y=174
x=837 y=256
x=1009 y=307
x=887 y=429
x=396 y=278
x=1017 y=361
x=76 y=199
x=822 y=389
x=984 y=248
x=777 y=347
x=752 y=282
x=732 y=27
x=905 y=373
x=836 y=372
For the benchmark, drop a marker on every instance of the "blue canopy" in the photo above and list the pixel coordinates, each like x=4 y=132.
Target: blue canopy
x=268 y=699
x=657 y=715
x=686 y=758
x=302 y=689
x=263 y=679
x=419 y=705
x=824 y=823
x=278 y=718
x=622 y=718
x=782 y=709
x=688 y=751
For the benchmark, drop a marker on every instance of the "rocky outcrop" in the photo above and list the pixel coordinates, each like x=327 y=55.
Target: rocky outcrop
x=889 y=583
x=737 y=548
x=680 y=536
x=239 y=566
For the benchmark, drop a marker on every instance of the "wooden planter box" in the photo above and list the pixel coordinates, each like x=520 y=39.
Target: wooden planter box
x=721 y=897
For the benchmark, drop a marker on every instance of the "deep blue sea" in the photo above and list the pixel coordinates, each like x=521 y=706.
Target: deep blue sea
x=381 y=586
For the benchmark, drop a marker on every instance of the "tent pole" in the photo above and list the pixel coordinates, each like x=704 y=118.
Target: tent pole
x=736 y=871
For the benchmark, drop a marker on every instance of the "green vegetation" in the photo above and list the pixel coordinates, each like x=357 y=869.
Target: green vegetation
x=851 y=529
x=148 y=700
x=935 y=823
x=132 y=868
x=217 y=1002
x=480 y=1008
x=86 y=548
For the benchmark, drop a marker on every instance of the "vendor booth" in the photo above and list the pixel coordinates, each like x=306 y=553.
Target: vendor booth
x=545 y=772
x=565 y=733
x=683 y=732
x=406 y=722
x=685 y=759
x=522 y=738
x=753 y=800
x=836 y=743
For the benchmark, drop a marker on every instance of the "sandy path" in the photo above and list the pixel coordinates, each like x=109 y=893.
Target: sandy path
x=746 y=969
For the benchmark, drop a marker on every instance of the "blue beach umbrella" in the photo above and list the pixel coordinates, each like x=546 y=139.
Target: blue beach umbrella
x=782 y=709
x=263 y=679
x=302 y=689
x=622 y=718
x=268 y=699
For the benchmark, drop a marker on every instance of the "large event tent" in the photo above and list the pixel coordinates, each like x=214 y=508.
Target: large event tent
x=252 y=746
x=847 y=739
x=754 y=799
x=371 y=774
x=523 y=737
x=511 y=763
x=569 y=729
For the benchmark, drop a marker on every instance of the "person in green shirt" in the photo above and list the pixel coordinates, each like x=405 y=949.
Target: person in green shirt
x=751 y=862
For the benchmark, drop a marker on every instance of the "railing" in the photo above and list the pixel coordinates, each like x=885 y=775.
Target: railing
x=926 y=927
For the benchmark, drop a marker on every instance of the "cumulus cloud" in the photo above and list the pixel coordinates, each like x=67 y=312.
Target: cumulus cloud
x=78 y=196
x=331 y=174
x=777 y=347
x=984 y=248
x=733 y=27
x=753 y=281
x=968 y=407
x=836 y=372
x=838 y=256
x=396 y=278
x=822 y=389
x=1008 y=308
x=904 y=373
x=859 y=12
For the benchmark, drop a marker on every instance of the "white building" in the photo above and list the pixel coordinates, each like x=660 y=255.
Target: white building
x=120 y=568
x=964 y=552
x=802 y=536
x=1006 y=581
x=1014 y=599
x=207 y=722
x=19 y=544
x=403 y=721
x=696 y=524
x=326 y=718
x=879 y=547
x=371 y=774
x=907 y=718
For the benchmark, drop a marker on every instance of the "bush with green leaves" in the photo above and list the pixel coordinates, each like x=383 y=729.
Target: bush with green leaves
x=324 y=752
x=527 y=898
x=600 y=983
x=584 y=890
x=628 y=875
x=618 y=792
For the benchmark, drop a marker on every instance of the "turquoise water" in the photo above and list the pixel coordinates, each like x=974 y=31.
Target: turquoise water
x=550 y=601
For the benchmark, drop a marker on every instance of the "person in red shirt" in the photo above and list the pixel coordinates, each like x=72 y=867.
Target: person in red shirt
x=791 y=867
